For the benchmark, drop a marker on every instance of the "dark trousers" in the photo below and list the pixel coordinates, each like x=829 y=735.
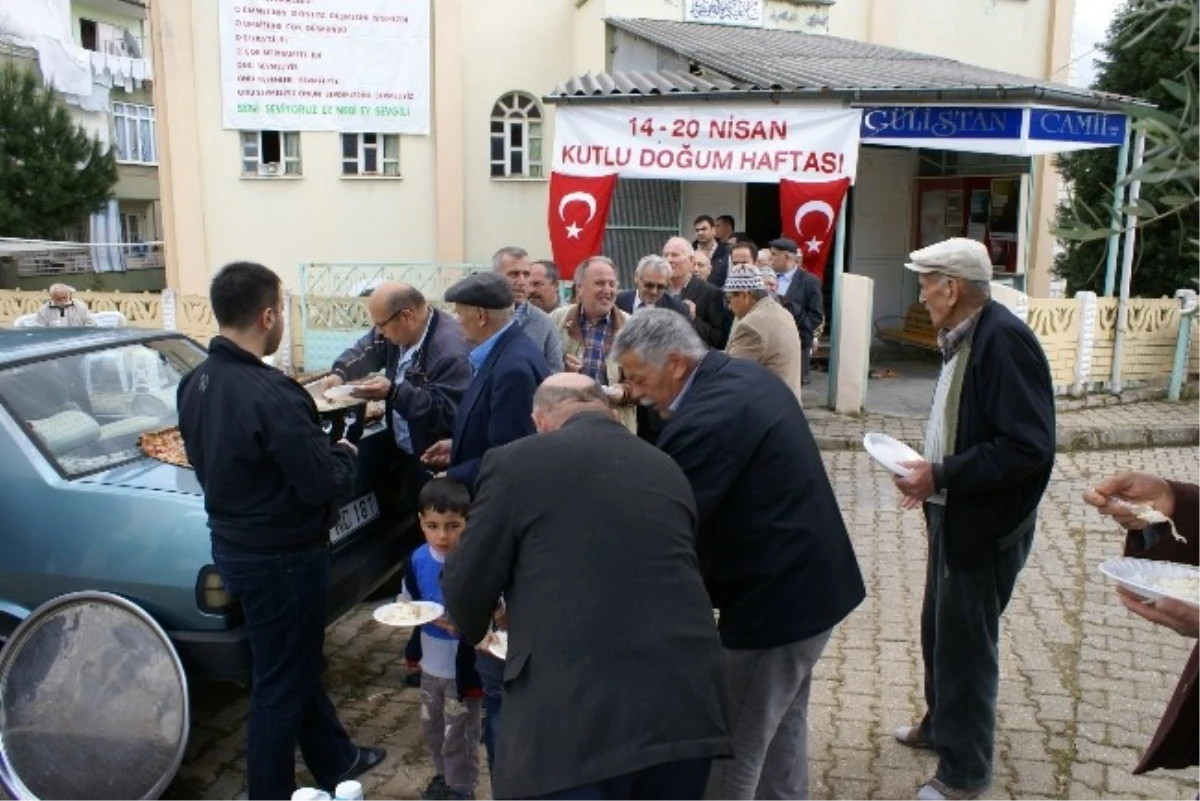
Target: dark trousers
x=672 y=780
x=960 y=634
x=806 y=349
x=283 y=598
x=491 y=675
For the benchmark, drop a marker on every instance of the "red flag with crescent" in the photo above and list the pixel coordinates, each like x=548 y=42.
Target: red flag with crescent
x=809 y=210
x=576 y=217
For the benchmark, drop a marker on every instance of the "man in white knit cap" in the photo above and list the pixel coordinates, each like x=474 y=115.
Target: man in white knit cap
x=764 y=331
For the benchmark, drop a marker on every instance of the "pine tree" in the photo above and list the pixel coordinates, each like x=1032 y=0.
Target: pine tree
x=1150 y=67
x=52 y=172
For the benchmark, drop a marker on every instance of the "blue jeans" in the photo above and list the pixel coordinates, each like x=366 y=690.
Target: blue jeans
x=283 y=598
x=960 y=635
x=491 y=674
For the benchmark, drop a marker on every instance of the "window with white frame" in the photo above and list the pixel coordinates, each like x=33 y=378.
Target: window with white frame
x=133 y=127
x=371 y=154
x=270 y=153
x=516 y=137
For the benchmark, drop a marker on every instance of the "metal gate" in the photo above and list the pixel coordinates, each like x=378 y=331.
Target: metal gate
x=645 y=213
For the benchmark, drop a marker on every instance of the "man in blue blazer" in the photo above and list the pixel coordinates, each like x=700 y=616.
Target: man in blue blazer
x=498 y=405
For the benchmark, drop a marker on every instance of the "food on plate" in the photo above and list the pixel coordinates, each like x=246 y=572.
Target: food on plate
x=165 y=445
x=1178 y=586
x=401 y=613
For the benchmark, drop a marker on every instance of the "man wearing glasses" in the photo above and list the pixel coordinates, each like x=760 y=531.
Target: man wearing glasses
x=653 y=277
x=424 y=360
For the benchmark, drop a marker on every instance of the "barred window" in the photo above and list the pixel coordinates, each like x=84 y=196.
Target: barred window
x=517 y=137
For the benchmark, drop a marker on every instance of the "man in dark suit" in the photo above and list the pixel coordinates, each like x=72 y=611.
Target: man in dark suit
x=989 y=450
x=712 y=246
x=582 y=570
x=497 y=406
x=799 y=292
x=424 y=361
x=776 y=556
x=653 y=279
x=705 y=303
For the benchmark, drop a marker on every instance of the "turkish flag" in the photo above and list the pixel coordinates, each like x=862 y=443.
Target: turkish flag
x=809 y=210
x=576 y=217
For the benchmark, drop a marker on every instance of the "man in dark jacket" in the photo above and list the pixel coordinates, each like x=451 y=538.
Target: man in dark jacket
x=653 y=279
x=989 y=450
x=424 y=358
x=715 y=247
x=799 y=291
x=704 y=302
x=776 y=556
x=272 y=488
x=581 y=569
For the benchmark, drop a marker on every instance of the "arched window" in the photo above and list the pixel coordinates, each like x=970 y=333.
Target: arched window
x=516 y=137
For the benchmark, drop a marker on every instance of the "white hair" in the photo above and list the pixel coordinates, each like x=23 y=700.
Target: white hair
x=688 y=250
x=61 y=289
x=654 y=334
x=651 y=262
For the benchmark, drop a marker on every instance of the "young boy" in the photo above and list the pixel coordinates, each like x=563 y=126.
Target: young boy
x=451 y=694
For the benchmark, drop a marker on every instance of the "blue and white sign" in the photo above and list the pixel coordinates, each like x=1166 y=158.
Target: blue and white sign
x=1067 y=125
x=1001 y=130
x=941 y=122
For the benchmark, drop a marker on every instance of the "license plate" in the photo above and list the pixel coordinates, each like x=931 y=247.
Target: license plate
x=354 y=516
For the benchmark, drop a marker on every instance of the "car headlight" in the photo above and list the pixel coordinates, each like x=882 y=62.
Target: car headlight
x=211 y=595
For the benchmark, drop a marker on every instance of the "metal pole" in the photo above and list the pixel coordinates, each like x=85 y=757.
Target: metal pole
x=1187 y=302
x=835 y=316
x=1135 y=190
x=1114 y=239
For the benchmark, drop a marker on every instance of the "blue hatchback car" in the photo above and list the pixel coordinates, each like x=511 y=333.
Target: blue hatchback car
x=85 y=509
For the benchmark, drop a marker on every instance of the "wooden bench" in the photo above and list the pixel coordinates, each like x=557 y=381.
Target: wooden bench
x=916 y=329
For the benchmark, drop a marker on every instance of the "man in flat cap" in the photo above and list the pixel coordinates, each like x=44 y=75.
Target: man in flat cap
x=799 y=291
x=507 y=368
x=497 y=409
x=989 y=449
x=763 y=331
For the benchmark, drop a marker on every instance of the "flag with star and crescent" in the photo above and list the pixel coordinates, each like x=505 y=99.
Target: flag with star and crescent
x=809 y=210
x=576 y=216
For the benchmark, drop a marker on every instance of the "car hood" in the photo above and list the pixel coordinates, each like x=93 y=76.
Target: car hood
x=149 y=474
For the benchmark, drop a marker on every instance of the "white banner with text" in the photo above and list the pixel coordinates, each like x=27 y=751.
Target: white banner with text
x=707 y=143
x=353 y=66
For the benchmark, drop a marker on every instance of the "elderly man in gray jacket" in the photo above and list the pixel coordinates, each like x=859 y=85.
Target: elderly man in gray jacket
x=63 y=311
x=513 y=263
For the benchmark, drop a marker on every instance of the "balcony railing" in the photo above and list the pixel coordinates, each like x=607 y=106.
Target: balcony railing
x=73 y=259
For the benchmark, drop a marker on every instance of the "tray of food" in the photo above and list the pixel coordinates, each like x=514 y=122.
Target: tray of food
x=1153 y=580
x=165 y=445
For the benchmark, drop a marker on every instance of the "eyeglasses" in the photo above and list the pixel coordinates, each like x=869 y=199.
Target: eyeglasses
x=393 y=317
x=653 y=286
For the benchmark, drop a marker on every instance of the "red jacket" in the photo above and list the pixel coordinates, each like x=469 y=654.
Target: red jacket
x=1176 y=743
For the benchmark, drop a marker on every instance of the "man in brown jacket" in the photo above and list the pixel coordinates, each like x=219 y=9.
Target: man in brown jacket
x=764 y=331
x=1176 y=743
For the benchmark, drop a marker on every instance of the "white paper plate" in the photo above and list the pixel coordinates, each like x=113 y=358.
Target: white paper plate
x=890 y=452
x=1145 y=577
x=339 y=392
x=498 y=647
x=422 y=612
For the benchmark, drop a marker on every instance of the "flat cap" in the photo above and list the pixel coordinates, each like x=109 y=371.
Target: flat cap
x=783 y=243
x=742 y=279
x=957 y=258
x=485 y=290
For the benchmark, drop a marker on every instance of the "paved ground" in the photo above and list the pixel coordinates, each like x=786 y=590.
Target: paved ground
x=1083 y=681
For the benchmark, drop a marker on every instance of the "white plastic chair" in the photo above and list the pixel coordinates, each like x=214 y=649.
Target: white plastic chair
x=109 y=319
x=26 y=321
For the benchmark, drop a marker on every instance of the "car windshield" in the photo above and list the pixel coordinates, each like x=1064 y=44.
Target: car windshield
x=87 y=410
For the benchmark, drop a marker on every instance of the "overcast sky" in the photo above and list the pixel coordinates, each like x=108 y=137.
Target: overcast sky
x=1091 y=23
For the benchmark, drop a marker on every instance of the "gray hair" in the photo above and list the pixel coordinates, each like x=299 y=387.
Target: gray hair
x=581 y=270
x=60 y=289
x=653 y=334
x=510 y=252
x=550 y=396
x=975 y=290
x=651 y=262
x=759 y=294
x=499 y=316
x=687 y=246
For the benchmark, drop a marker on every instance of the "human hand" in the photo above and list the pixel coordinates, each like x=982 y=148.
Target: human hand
x=375 y=411
x=614 y=394
x=330 y=381
x=691 y=309
x=438 y=454
x=1117 y=496
x=500 y=617
x=572 y=363
x=917 y=486
x=445 y=625
x=1176 y=615
x=374 y=388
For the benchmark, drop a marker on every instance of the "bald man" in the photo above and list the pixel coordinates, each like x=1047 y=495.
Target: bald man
x=705 y=303
x=423 y=356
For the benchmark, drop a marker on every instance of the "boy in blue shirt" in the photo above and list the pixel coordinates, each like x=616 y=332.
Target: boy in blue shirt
x=451 y=693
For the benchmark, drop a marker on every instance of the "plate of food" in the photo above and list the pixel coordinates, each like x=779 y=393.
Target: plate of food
x=890 y=452
x=1153 y=580
x=498 y=644
x=409 y=613
x=165 y=445
x=340 y=392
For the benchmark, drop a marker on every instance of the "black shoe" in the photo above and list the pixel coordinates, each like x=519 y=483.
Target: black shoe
x=436 y=790
x=368 y=757
x=412 y=680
